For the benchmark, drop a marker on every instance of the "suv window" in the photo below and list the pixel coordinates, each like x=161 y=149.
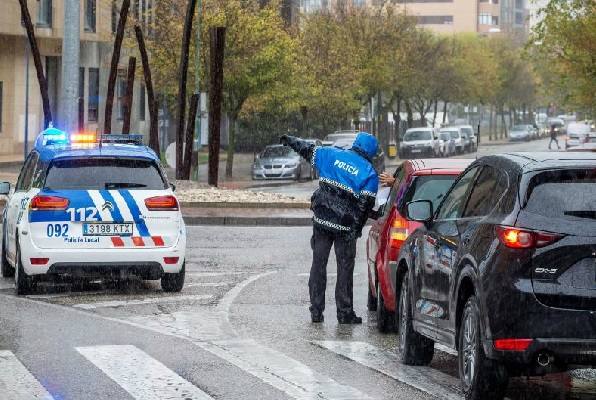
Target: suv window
x=452 y=206
x=566 y=194
x=429 y=187
x=104 y=173
x=24 y=181
x=487 y=190
x=399 y=176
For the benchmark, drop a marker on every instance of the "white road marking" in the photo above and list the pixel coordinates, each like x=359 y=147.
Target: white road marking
x=150 y=300
x=334 y=274
x=142 y=376
x=429 y=380
x=208 y=284
x=215 y=273
x=16 y=382
x=280 y=371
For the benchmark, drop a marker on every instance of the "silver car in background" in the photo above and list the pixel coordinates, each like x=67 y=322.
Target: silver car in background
x=456 y=136
x=281 y=162
x=447 y=144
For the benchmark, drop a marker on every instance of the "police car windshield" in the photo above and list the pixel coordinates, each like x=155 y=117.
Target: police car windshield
x=104 y=173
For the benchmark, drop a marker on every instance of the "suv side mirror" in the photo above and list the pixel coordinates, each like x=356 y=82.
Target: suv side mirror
x=173 y=186
x=419 y=210
x=4 y=188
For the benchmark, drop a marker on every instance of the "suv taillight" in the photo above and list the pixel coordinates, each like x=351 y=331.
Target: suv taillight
x=517 y=238
x=55 y=203
x=398 y=232
x=162 y=203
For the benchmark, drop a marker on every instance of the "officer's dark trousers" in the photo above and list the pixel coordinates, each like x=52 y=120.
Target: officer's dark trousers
x=345 y=252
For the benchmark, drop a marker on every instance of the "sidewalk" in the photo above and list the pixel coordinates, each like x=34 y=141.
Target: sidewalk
x=247 y=216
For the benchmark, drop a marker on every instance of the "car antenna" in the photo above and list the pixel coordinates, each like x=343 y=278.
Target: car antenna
x=100 y=140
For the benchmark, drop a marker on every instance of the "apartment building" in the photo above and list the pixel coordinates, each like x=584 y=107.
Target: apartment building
x=19 y=90
x=447 y=16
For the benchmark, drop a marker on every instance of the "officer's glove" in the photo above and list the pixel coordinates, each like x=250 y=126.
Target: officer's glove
x=284 y=140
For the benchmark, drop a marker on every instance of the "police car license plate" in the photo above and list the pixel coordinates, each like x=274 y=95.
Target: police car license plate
x=107 y=229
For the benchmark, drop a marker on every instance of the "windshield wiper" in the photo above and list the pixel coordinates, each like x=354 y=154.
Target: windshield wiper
x=581 y=214
x=123 y=185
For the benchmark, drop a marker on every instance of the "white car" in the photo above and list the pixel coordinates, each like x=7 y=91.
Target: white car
x=456 y=135
x=89 y=210
x=420 y=142
x=577 y=134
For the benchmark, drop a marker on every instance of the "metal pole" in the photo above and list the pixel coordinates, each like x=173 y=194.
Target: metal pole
x=70 y=66
x=195 y=173
x=26 y=144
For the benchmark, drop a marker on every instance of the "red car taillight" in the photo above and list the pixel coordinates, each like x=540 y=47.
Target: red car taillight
x=162 y=203
x=39 y=261
x=42 y=202
x=398 y=232
x=516 y=238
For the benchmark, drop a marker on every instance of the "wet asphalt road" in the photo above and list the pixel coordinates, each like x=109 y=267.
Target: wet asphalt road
x=239 y=330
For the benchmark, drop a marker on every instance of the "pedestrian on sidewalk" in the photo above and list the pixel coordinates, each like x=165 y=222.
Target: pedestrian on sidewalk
x=553 y=137
x=341 y=205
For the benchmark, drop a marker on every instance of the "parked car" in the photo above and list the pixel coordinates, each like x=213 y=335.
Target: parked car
x=446 y=144
x=280 y=162
x=519 y=133
x=345 y=139
x=577 y=134
x=503 y=271
x=588 y=145
x=455 y=134
x=468 y=131
x=415 y=179
x=420 y=142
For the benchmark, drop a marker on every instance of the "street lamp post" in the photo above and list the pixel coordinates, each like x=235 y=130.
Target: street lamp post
x=198 y=88
x=26 y=138
x=70 y=66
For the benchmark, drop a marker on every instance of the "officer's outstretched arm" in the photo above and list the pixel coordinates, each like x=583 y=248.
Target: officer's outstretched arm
x=366 y=201
x=302 y=147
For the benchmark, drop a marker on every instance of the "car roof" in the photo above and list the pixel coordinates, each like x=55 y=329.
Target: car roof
x=528 y=162
x=437 y=165
x=60 y=151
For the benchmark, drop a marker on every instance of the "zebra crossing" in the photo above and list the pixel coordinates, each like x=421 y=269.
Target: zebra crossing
x=146 y=378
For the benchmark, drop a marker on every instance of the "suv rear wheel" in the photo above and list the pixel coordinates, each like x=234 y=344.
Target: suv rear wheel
x=385 y=318
x=5 y=268
x=23 y=282
x=413 y=348
x=173 y=282
x=481 y=377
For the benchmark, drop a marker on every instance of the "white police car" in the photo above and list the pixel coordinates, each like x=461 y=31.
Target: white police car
x=87 y=209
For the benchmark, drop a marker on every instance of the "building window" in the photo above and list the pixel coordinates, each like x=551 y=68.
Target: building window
x=81 y=91
x=1 y=104
x=484 y=19
x=93 y=102
x=519 y=18
x=435 y=19
x=519 y=4
x=495 y=20
x=120 y=93
x=44 y=13
x=142 y=102
x=90 y=15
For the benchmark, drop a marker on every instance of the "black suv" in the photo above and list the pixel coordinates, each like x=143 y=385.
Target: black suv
x=504 y=271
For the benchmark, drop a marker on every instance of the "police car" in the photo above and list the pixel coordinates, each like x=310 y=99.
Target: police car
x=89 y=208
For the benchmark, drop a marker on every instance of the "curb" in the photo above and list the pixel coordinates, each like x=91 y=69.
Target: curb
x=248 y=221
x=212 y=204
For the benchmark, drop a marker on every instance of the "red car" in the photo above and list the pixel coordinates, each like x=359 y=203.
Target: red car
x=414 y=180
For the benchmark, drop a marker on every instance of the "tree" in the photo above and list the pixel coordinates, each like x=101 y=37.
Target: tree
x=566 y=37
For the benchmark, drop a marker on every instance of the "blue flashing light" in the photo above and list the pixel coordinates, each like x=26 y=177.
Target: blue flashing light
x=51 y=136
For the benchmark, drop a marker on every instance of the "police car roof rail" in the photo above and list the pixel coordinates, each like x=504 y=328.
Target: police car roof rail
x=121 y=138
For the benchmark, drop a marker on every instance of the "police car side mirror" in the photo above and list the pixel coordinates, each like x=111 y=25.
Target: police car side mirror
x=4 y=188
x=173 y=186
x=420 y=211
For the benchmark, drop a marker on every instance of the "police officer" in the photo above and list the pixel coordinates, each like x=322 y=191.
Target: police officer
x=341 y=205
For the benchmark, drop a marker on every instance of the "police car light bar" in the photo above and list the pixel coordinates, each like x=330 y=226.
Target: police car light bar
x=51 y=136
x=123 y=139
x=83 y=137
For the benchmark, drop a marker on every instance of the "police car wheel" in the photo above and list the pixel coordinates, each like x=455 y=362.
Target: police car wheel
x=6 y=269
x=23 y=282
x=173 y=282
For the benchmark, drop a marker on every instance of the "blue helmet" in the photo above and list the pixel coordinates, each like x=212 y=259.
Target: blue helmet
x=366 y=143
